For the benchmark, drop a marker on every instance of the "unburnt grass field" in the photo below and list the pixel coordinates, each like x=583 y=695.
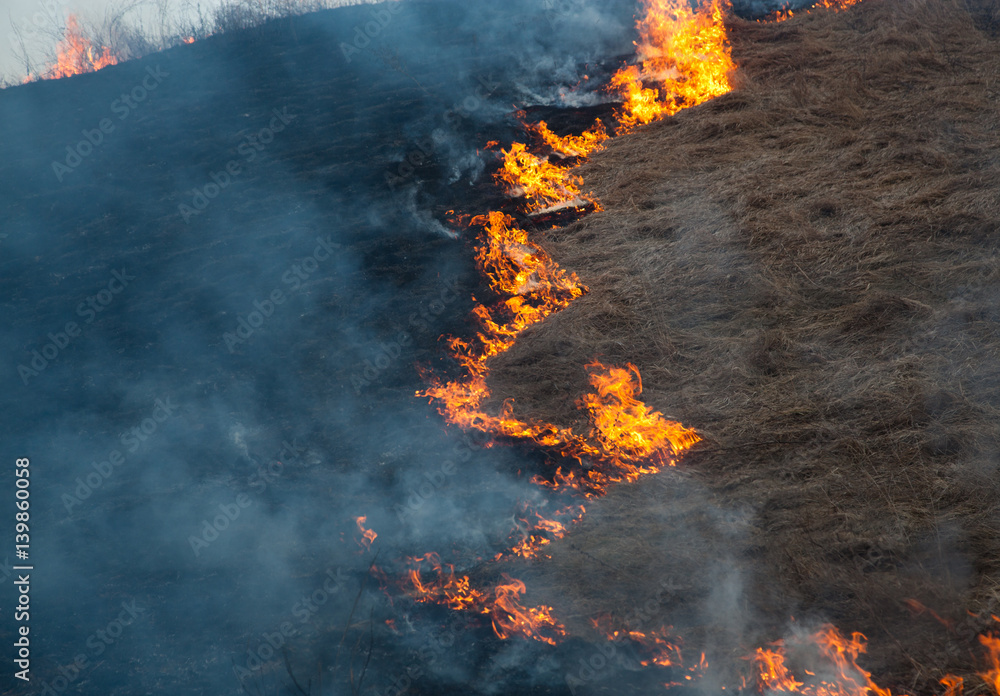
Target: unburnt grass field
x=806 y=271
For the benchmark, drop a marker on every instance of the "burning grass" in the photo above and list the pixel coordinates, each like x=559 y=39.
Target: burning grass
x=804 y=269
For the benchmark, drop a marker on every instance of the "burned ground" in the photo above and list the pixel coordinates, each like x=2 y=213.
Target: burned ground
x=804 y=270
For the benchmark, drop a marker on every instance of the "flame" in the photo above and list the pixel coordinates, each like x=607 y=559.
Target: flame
x=781 y=14
x=445 y=588
x=953 y=685
x=841 y=653
x=685 y=56
x=510 y=618
x=75 y=54
x=591 y=140
x=660 y=647
x=543 y=184
x=188 y=39
x=991 y=676
x=367 y=535
x=627 y=430
x=772 y=674
x=536 y=531
x=508 y=615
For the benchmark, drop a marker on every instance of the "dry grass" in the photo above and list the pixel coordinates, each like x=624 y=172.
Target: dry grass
x=807 y=271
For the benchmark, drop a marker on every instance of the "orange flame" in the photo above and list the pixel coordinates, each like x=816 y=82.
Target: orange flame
x=508 y=615
x=916 y=608
x=849 y=679
x=445 y=589
x=953 y=685
x=662 y=649
x=772 y=673
x=684 y=53
x=543 y=184
x=991 y=676
x=367 y=535
x=538 y=532
x=591 y=140
x=784 y=13
x=511 y=618
x=75 y=54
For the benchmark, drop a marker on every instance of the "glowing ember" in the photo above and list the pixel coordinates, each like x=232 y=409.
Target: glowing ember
x=784 y=13
x=535 y=531
x=367 y=535
x=685 y=58
x=659 y=646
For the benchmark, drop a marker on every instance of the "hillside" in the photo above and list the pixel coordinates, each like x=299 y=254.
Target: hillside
x=263 y=250
x=806 y=271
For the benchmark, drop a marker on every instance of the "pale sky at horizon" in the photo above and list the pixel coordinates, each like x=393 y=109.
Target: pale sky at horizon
x=35 y=18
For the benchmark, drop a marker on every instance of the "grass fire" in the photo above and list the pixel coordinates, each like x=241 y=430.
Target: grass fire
x=652 y=348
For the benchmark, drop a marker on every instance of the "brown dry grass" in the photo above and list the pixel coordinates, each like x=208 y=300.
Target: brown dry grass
x=806 y=270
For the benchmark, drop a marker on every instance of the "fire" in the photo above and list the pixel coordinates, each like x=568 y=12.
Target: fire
x=953 y=685
x=772 y=674
x=782 y=14
x=685 y=58
x=543 y=184
x=840 y=654
x=75 y=54
x=445 y=589
x=509 y=617
x=536 y=531
x=659 y=646
x=916 y=608
x=188 y=39
x=991 y=676
x=625 y=427
x=591 y=140
x=368 y=536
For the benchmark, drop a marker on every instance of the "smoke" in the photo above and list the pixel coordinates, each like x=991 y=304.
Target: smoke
x=204 y=434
